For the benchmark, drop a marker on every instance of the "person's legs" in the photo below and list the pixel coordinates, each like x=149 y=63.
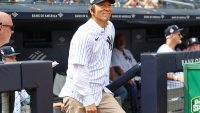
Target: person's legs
x=73 y=106
x=133 y=94
x=122 y=93
x=108 y=104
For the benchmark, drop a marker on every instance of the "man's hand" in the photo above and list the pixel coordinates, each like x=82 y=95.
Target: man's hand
x=178 y=76
x=131 y=82
x=91 y=108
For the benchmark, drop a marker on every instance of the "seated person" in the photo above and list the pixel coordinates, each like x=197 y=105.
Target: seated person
x=122 y=61
x=148 y=4
x=131 y=4
x=21 y=98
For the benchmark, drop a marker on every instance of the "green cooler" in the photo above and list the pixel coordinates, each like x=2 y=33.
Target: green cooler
x=191 y=87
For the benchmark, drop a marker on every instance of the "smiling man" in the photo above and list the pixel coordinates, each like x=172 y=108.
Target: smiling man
x=88 y=64
x=6 y=28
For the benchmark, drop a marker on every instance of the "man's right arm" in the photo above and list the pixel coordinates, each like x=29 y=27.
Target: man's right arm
x=80 y=50
x=119 y=70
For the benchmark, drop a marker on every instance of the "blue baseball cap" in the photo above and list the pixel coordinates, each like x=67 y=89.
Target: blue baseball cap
x=193 y=40
x=172 y=29
x=7 y=51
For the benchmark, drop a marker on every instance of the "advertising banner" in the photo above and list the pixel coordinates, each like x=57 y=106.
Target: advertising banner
x=191 y=89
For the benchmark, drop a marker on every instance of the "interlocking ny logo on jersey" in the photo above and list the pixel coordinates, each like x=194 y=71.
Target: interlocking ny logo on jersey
x=110 y=42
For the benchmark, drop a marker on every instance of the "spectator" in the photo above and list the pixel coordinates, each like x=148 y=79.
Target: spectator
x=193 y=44
x=122 y=61
x=131 y=4
x=148 y=4
x=88 y=64
x=6 y=28
x=22 y=98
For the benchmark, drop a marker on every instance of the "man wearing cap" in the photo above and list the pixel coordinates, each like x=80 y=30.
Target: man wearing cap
x=173 y=37
x=193 y=44
x=9 y=55
x=88 y=64
x=6 y=30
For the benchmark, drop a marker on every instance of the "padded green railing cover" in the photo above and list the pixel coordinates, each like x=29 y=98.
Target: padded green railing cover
x=191 y=87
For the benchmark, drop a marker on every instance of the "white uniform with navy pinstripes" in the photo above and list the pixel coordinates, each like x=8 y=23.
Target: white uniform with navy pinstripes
x=88 y=63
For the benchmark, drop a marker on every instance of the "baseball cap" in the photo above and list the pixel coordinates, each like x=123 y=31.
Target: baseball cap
x=172 y=29
x=7 y=51
x=99 y=1
x=193 y=40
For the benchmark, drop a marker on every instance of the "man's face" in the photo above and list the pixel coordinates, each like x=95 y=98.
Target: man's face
x=194 y=47
x=102 y=11
x=6 y=30
x=10 y=59
x=121 y=42
x=177 y=37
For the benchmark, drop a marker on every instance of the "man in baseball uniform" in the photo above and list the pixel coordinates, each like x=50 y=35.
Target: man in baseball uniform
x=88 y=64
x=193 y=44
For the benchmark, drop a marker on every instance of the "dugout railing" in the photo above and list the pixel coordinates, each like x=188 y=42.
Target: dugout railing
x=34 y=75
x=154 y=68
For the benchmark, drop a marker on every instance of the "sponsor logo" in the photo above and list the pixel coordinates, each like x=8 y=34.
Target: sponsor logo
x=195 y=105
x=190 y=60
x=96 y=39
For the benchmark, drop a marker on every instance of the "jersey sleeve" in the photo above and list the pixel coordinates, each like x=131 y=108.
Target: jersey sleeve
x=80 y=49
x=82 y=84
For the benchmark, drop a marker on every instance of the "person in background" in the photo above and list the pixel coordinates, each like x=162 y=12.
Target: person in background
x=122 y=61
x=22 y=98
x=148 y=4
x=173 y=38
x=193 y=44
x=88 y=64
x=131 y=4
x=6 y=28
x=6 y=31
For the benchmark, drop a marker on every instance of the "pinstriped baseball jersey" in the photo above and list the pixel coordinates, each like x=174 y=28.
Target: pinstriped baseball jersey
x=88 y=63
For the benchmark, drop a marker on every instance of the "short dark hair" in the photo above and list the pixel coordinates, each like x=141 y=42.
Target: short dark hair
x=89 y=14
